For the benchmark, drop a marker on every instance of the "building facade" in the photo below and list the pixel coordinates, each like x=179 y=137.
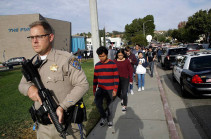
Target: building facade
x=114 y=42
x=14 y=30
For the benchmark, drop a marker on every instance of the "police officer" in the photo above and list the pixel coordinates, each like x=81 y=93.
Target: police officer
x=60 y=73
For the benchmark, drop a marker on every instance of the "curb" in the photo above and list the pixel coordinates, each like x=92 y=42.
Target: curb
x=171 y=125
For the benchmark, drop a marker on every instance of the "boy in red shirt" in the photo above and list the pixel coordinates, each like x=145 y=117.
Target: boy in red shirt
x=105 y=85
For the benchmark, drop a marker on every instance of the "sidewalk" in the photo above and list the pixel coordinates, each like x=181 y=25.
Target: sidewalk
x=144 y=118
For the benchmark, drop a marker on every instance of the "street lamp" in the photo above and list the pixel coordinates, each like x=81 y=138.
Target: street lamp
x=144 y=26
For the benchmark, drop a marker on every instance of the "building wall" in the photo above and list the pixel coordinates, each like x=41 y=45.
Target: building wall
x=14 y=30
x=62 y=31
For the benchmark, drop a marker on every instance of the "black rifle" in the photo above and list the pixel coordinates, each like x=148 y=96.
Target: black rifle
x=48 y=103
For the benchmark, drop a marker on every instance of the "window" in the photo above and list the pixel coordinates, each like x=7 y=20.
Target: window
x=200 y=63
x=181 y=51
x=194 y=47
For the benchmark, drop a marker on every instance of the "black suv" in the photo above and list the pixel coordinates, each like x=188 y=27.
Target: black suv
x=169 y=57
x=13 y=62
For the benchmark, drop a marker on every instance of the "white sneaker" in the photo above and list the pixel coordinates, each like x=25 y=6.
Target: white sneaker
x=139 y=89
x=131 y=91
x=110 y=124
x=142 y=88
x=124 y=109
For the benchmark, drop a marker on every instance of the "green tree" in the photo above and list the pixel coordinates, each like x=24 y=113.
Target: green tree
x=161 y=38
x=209 y=26
x=181 y=35
x=149 y=26
x=135 y=29
x=117 y=32
x=167 y=40
x=139 y=39
x=168 y=33
x=198 y=24
x=89 y=35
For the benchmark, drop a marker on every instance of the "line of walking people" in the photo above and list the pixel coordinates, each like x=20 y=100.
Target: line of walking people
x=112 y=77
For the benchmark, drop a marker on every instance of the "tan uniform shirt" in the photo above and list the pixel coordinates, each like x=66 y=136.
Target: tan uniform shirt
x=58 y=74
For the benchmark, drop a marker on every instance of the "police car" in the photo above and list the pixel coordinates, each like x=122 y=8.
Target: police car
x=193 y=72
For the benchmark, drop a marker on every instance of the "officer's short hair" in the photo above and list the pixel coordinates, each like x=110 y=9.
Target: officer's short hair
x=102 y=50
x=47 y=27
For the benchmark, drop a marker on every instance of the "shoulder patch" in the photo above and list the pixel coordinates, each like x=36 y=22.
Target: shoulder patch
x=75 y=63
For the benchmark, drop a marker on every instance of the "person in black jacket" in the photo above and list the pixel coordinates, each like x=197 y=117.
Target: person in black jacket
x=150 y=59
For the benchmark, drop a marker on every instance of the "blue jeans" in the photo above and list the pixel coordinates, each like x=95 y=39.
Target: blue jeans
x=141 y=80
x=151 y=66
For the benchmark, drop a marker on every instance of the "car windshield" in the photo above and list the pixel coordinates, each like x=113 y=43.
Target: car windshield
x=200 y=63
x=178 y=51
x=194 y=47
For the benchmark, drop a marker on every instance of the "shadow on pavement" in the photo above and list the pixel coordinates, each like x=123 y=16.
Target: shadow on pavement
x=129 y=124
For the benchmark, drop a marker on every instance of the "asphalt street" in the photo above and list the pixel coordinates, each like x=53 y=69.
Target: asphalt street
x=191 y=115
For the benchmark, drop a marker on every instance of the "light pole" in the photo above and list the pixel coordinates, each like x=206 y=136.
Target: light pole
x=95 y=28
x=144 y=26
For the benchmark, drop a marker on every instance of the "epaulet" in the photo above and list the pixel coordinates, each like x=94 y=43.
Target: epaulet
x=75 y=63
x=63 y=53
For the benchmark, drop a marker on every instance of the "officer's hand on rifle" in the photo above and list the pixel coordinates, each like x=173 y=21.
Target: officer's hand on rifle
x=60 y=114
x=33 y=94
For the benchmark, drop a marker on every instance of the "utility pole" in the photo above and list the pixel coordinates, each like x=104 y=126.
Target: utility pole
x=144 y=26
x=95 y=28
x=104 y=38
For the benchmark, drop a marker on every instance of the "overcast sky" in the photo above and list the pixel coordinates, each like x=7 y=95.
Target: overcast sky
x=112 y=14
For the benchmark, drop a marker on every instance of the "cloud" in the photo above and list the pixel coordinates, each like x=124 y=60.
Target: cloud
x=112 y=14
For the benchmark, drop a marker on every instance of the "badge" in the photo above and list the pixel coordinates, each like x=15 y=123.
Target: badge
x=54 y=67
x=75 y=63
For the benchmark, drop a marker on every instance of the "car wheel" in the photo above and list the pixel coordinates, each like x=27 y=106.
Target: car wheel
x=162 y=64
x=184 y=93
x=10 y=67
x=165 y=66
